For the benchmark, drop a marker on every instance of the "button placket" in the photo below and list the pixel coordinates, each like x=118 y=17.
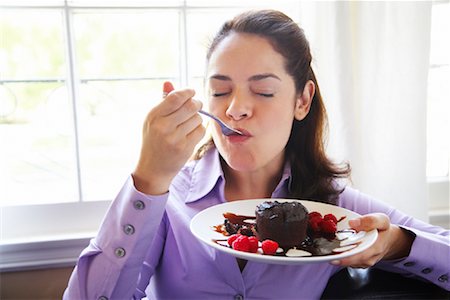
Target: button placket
x=128 y=229
x=119 y=252
x=238 y=297
x=139 y=205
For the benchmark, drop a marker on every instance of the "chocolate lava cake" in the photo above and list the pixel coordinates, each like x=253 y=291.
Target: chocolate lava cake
x=283 y=222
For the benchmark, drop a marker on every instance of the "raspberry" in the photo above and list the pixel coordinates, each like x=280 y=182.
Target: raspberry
x=232 y=238
x=328 y=226
x=314 y=214
x=253 y=241
x=314 y=223
x=269 y=247
x=330 y=217
x=241 y=243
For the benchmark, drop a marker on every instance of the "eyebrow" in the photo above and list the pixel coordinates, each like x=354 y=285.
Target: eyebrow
x=252 y=78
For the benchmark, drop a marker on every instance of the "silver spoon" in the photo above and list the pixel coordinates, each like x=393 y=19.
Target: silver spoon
x=226 y=130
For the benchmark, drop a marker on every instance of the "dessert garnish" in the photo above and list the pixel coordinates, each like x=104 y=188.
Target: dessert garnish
x=322 y=236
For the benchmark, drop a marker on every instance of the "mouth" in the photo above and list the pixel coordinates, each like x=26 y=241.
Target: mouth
x=243 y=132
x=239 y=138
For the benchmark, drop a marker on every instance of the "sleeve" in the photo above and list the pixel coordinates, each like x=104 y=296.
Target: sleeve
x=109 y=268
x=429 y=257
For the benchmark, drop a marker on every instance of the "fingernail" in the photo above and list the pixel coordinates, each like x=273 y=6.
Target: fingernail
x=335 y=262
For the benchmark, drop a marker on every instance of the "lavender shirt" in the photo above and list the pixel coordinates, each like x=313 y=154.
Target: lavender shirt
x=145 y=248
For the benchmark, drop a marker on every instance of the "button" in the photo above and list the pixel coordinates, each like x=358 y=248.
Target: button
x=102 y=298
x=409 y=264
x=139 y=205
x=443 y=278
x=119 y=252
x=427 y=270
x=128 y=229
x=238 y=297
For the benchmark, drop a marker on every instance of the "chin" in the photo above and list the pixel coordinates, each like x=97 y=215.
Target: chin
x=239 y=162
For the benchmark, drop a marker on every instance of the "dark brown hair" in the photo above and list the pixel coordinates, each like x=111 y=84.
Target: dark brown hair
x=313 y=174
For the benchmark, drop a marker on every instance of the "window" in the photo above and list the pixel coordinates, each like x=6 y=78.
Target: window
x=76 y=79
x=439 y=93
x=438 y=127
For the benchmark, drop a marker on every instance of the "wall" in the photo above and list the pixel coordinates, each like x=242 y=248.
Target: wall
x=42 y=284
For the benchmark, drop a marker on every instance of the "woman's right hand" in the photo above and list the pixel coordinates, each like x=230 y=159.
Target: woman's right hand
x=171 y=131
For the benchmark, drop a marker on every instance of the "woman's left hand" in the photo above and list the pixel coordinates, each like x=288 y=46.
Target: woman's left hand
x=392 y=242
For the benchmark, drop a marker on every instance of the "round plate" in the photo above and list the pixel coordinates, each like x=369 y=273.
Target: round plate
x=202 y=228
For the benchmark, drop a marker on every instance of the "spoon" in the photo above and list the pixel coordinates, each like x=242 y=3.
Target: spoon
x=226 y=130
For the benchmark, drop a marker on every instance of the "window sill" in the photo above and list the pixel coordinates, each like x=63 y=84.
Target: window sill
x=26 y=255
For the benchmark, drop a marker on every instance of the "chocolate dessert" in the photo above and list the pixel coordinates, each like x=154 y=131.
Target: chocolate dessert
x=285 y=222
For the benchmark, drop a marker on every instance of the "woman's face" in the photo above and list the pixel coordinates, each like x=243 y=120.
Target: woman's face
x=249 y=88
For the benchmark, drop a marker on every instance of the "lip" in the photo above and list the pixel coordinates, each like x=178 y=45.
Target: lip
x=236 y=138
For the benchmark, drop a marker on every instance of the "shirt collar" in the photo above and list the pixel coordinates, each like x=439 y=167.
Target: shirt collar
x=207 y=173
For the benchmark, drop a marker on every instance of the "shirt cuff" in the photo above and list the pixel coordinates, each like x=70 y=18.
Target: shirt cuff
x=428 y=259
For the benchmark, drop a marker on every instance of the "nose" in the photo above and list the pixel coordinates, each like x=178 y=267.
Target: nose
x=238 y=109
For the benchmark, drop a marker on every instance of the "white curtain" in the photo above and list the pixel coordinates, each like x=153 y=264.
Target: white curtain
x=371 y=60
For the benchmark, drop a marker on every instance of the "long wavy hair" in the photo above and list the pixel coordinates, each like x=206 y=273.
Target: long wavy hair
x=313 y=173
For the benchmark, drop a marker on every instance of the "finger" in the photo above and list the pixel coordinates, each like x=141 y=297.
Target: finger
x=371 y=221
x=185 y=112
x=196 y=135
x=189 y=125
x=174 y=101
x=357 y=261
x=167 y=88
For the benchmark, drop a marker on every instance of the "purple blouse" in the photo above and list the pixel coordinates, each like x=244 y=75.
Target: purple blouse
x=144 y=248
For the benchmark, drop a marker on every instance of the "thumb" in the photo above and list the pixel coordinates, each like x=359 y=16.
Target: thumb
x=167 y=88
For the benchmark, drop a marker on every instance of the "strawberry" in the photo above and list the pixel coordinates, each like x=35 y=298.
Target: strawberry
x=232 y=238
x=241 y=243
x=253 y=241
x=269 y=247
x=328 y=226
x=330 y=217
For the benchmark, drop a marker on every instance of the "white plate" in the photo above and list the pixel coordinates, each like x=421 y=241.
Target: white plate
x=202 y=228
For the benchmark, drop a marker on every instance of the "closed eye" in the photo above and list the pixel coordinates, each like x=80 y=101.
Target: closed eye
x=266 y=95
x=220 y=94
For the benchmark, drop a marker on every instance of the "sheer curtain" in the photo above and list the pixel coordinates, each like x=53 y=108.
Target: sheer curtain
x=371 y=60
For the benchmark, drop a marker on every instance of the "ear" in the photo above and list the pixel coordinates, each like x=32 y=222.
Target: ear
x=304 y=99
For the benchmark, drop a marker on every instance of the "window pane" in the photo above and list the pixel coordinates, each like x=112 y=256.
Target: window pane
x=32 y=44
x=110 y=122
x=111 y=49
x=438 y=110
x=127 y=44
x=37 y=159
x=438 y=127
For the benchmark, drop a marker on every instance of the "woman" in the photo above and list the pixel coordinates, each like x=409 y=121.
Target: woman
x=259 y=80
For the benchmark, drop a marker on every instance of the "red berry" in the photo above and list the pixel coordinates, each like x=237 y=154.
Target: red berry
x=328 y=226
x=232 y=238
x=269 y=247
x=241 y=243
x=253 y=241
x=330 y=217
x=314 y=223
x=315 y=214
